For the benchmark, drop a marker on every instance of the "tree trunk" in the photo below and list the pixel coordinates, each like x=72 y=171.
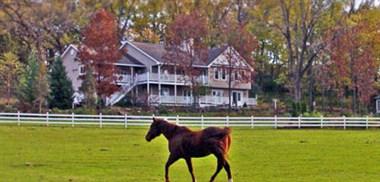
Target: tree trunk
x=311 y=90
x=229 y=91
x=297 y=88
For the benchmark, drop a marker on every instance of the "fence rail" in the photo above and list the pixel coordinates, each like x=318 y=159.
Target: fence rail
x=201 y=121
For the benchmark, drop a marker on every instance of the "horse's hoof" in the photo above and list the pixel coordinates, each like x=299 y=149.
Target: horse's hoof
x=230 y=180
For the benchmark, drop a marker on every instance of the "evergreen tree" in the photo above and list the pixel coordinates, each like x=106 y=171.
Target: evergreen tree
x=27 y=88
x=61 y=90
x=88 y=88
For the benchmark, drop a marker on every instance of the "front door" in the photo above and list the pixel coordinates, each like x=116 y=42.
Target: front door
x=236 y=98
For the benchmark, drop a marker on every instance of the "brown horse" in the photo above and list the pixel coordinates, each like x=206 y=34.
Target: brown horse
x=184 y=143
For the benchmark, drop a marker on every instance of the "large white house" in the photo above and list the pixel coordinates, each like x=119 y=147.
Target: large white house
x=144 y=75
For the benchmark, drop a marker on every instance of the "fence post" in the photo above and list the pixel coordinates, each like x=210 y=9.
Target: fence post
x=125 y=121
x=47 y=118
x=100 y=121
x=366 y=123
x=252 y=122
x=18 y=118
x=228 y=121
x=177 y=120
x=72 y=119
x=299 y=122
x=321 y=121
x=202 y=121
x=275 y=121
x=344 y=122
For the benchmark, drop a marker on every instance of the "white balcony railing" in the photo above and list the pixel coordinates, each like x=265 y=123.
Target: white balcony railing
x=203 y=100
x=153 y=77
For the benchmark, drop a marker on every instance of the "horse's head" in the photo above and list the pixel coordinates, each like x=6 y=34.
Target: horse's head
x=154 y=130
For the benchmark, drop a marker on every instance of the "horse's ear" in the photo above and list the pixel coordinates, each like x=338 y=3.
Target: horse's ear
x=154 y=119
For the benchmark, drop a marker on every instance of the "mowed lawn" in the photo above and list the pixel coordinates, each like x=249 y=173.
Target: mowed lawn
x=114 y=154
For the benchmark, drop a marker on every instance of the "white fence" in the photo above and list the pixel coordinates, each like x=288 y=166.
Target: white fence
x=248 y=122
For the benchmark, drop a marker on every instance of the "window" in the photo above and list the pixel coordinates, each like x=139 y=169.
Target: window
x=186 y=93
x=242 y=74
x=223 y=74
x=216 y=74
x=82 y=70
x=217 y=93
x=72 y=52
x=165 y=91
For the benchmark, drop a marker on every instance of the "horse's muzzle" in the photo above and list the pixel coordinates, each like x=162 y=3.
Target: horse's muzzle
x=147 y=138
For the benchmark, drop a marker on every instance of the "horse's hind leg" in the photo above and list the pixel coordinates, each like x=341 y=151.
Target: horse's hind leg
x=219 y=166
x=228 y=170
x=190 y=167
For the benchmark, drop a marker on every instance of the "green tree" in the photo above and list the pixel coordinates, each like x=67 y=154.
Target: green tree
x=10 y=69
x=88 y=88
x=61 y=90
x=27 y=89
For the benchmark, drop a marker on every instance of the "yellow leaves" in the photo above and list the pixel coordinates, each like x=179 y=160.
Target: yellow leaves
x=10 y=65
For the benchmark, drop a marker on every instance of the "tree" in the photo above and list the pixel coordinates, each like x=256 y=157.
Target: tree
x=42 y=26
x=88 y=88
x=100 y=50
x=241 y=46
x=61 y=90
x=302 y=25
x=10 y=69
x=42 y=87
x=186 y=46
x=354 y=57
x=27 y=89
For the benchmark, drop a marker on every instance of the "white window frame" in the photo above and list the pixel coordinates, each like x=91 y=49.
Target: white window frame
x=82 y=70
x=216 y=74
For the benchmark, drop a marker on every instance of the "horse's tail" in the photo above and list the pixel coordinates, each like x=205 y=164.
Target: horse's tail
x=227 y=142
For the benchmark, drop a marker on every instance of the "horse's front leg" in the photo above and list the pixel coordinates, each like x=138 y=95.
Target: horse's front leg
x=171 y=160
x=190 y=167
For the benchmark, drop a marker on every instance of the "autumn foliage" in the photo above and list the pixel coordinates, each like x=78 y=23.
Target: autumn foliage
x=353 y=64
x=99 y=49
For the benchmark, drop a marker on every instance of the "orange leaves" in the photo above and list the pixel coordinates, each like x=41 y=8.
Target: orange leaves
x=99 y=49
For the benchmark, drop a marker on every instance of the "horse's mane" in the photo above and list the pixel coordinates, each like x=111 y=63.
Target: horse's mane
x=171 y=128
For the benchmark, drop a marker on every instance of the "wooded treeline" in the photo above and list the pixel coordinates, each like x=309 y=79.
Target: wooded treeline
x=313 y=55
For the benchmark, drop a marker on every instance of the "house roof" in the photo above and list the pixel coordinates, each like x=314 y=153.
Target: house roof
x=129 y=60
x=214 y=53
x=158 y=51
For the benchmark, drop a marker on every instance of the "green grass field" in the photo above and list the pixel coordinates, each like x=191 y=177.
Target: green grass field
x=114 y=154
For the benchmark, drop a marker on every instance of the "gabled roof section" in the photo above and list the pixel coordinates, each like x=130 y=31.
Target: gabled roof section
x=71 y=46
x=214 y=53
x=224 y=49
x=129 y=60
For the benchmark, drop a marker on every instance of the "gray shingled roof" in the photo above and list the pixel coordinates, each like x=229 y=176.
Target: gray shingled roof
x=127 y=59
x=158 y=51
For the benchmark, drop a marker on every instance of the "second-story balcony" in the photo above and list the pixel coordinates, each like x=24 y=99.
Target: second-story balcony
x=156 y=78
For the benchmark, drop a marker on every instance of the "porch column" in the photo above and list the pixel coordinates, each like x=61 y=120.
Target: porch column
x=147 y=86
x=175 y=85
x=132 y=76
x=159 y=84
